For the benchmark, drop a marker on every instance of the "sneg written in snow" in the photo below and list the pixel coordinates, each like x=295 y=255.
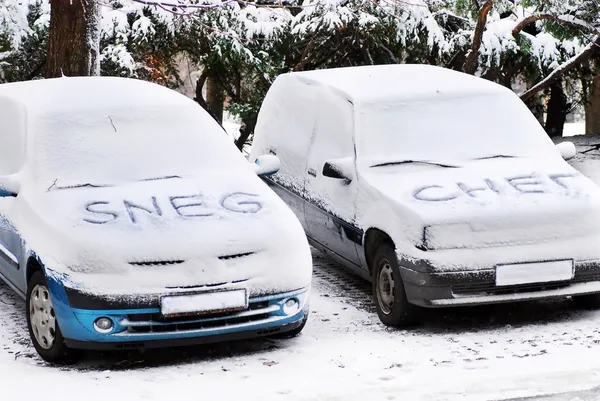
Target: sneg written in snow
x=190 y=206
x=524 y=184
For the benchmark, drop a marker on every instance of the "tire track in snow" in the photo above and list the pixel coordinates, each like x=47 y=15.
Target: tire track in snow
x=333 y=280
x=14 y=335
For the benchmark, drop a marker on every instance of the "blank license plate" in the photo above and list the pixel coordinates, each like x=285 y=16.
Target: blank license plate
x=527 y=273
x=210 y=302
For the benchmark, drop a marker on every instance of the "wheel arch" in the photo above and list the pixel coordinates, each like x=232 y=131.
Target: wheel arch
x=373 y=238
x=33 y=265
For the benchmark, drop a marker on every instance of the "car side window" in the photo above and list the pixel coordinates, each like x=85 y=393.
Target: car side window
x=285 y=127
x=12 y=136
x=333 y=141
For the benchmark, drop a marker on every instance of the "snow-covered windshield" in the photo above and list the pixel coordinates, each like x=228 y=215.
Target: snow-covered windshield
x=448 y=130
x=114 y=146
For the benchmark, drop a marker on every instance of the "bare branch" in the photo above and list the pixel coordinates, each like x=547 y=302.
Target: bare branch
x=389 y=52
x=471 y=62
x=564 y=19
x=561 y=70
x=304 y=59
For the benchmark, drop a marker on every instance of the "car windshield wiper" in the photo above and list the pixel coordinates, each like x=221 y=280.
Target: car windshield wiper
x=86 y=185
x=166 y=177
x=497 y=157
x=432 y=163
x=89 y=185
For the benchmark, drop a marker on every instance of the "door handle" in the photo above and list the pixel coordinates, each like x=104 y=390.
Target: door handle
x=311 y=171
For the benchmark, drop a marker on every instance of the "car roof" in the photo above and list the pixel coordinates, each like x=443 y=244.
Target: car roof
x=368 y=84
x=73 y=94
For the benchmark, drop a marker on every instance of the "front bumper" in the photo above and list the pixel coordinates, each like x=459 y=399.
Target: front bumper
x=477 y=287
x=137 y=322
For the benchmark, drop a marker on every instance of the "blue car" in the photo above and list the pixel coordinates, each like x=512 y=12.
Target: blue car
x=129 y=220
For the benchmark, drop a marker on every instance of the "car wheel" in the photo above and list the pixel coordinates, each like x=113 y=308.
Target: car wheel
x=591 y=301
x=295 y=332
x=41 y=321
x=392 y=305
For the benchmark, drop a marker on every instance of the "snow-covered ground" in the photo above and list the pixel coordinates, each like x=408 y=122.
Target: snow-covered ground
x=480 y=353
x=572 y=129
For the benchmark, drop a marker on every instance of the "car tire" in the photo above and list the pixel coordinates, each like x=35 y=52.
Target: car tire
x=590 y=301
x=389 y=295
x=295 y=332
x=42 y=323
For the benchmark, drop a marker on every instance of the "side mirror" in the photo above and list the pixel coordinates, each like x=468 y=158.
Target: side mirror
x=340 y=169
x=10 y=185
x=566 y=149
x=266 y=165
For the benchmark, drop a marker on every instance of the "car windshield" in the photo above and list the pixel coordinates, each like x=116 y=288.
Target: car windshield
x=448 y=131
x=99 y=148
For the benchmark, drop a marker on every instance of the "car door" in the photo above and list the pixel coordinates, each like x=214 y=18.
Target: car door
x=285 y=128
x=10 y=244
x=330 y=210
x=12 y=156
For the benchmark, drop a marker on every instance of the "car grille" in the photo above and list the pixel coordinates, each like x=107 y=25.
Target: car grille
x=156 y=323
x=584 y=272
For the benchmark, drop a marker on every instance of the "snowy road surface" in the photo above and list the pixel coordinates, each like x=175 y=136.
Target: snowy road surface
x=480 y=353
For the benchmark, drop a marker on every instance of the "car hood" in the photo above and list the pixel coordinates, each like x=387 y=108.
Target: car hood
x=489 y=202
x=166 y=232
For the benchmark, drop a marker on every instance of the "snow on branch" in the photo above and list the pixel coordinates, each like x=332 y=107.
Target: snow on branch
x=7 y=54
x=561 y=70
x=565 y=19
x=174 y=6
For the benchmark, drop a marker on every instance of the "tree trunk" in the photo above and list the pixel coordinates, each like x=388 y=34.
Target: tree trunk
x=556 y=115
x=470 y=65
x=74 y=38
x=215 y=97
x=592 y=109
x=199 y=98
x=246 y=131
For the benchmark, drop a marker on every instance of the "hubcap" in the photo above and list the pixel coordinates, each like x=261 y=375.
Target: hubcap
x=385 y=288
x=42 y=317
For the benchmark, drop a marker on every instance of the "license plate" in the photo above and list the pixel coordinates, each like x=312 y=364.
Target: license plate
x=209 y=302
x=528 y=273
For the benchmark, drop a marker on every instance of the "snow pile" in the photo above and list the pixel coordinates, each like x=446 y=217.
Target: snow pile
x=567 y=150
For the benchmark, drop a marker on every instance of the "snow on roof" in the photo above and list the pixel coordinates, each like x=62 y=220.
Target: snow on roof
x=397 y=81
x=73 y=94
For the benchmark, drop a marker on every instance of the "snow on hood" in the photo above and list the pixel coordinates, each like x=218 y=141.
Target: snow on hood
x=170 y=232
x=489 y=202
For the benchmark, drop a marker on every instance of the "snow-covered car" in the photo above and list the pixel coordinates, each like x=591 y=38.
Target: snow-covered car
x=439 y=187
x=130 y=220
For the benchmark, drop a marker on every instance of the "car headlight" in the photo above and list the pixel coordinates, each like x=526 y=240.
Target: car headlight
x=446 y=236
